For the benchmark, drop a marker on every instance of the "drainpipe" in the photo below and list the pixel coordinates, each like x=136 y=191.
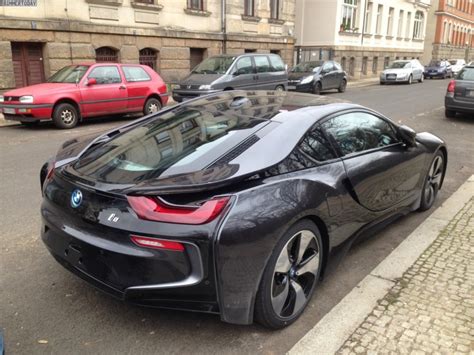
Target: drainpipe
x=223 y=26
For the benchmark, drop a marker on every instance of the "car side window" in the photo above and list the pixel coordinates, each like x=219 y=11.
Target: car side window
x=105 y=75
x=244 y=66
x=359 y=131
x=327 y=67
x=313 y=149
x=262 y=64
x=277 y=63
x=337 y=66
x=135 y=74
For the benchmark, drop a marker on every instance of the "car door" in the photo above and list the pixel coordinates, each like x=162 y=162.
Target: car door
x=243 y=74
x=417 y=70
x=262 y=68
x=327 y=76
x=138 y=83
x=381 y=170
x=106 y=95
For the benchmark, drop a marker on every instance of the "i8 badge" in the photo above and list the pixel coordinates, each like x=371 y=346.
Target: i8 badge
x=76 y=198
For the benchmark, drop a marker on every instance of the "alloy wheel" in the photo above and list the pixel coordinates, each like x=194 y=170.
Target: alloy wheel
x=67 y=116
x=152 y=107
x=295 y=274
x=433 y=180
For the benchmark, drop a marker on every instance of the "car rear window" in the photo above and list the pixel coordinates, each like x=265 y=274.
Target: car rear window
x=135 y=74
x=183 y=141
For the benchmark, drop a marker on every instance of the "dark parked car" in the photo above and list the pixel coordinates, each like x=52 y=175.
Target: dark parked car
x=251 y=71
x=234 y=203
x=460 y=93
x=317 y=76
x=438 y=69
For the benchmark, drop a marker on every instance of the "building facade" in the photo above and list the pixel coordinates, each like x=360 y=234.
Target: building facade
x=450 y=34
x=363 y=35
x=172 y=36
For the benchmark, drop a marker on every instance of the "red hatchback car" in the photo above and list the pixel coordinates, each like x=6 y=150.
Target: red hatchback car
x=87 y=90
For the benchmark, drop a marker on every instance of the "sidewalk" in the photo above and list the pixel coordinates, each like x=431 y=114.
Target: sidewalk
x=419 y=300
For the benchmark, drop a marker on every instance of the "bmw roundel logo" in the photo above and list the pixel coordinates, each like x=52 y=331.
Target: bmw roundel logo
x=76 y=198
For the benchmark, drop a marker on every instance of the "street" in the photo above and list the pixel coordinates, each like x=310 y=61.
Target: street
x=46 y=309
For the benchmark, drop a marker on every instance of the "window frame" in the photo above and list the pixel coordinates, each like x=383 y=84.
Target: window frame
x=249 y=5
x=200 y=7
x=336 y=145
x=275 y=9
x=418 y=24
x=350 y=9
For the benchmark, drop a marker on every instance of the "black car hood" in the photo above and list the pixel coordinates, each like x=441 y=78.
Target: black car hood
x=298 y=75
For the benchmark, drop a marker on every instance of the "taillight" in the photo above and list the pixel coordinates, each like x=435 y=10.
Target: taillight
x=452 y=86
x=154 y=209
x=155 y=243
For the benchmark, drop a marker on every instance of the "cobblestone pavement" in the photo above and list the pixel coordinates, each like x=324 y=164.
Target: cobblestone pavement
x=430 y=310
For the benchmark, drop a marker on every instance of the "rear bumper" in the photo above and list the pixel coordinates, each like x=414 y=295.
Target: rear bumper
x=111 y=262
x=463 y=106
x=301 y=87
x=434 y=74
x=26 y=113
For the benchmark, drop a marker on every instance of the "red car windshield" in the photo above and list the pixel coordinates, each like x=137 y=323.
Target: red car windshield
x=70 y=74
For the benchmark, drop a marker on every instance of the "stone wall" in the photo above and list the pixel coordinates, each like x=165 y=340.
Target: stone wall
x=443 y=51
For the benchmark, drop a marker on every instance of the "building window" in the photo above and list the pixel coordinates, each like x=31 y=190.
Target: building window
x=378 y=24
x=390 y=21
x=196 y=56
x=368 y=18
x=349 y=14
x=148 y=56
x=145 y=1
x=106 y=54
x=275 y=51
x=249 y=7
x=400 y=24
x=375 y=64
x=365 y=61
x=275 y=9
x=196 y=5
x=343 y=63
x=352 y=66
x=386 y=62
x=407 y=31
x=250 y=51
x=418 y=25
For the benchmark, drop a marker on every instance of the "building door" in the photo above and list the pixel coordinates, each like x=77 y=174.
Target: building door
x=27 y=63
x=196 y=56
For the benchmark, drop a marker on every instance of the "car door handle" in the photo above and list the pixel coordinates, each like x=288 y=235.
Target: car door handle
x=122 y=87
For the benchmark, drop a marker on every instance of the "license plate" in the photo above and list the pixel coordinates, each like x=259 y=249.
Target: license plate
x=10 y=111
x=470 y=93
x=291 y=87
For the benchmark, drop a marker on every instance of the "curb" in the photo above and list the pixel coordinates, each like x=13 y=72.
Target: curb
x=330 y=333
x=361 y=84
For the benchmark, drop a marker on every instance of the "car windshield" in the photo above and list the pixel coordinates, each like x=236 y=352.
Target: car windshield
x=306 y=67
x=179 y=142
x=214 y=65
x=466 y=74
x=398 y=65
x=434 y=63
x=71 y=74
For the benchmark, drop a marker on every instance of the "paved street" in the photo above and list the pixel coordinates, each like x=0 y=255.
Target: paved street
x=46 y=309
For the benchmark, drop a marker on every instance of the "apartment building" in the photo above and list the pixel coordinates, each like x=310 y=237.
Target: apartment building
x=363 y=35
x=172 y=36
x=450 y=30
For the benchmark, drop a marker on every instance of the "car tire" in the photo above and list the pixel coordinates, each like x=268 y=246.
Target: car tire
x=410 y=80
x=422 y=78
x=283 y=293
x=280 y=88
x=434 y=178
x=152 y=105
x=65 y=116
x=449 y=113
x=382 y=83
x=342 y=87
x=317 y=88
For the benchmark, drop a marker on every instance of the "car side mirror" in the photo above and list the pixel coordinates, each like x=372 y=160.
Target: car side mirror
x=91 y=81
x=407 y=135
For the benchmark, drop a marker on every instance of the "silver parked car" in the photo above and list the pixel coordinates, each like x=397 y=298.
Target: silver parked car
x=403 y=71
x=255 y=71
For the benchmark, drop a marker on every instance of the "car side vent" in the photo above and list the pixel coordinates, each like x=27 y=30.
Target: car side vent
x=234 y=153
